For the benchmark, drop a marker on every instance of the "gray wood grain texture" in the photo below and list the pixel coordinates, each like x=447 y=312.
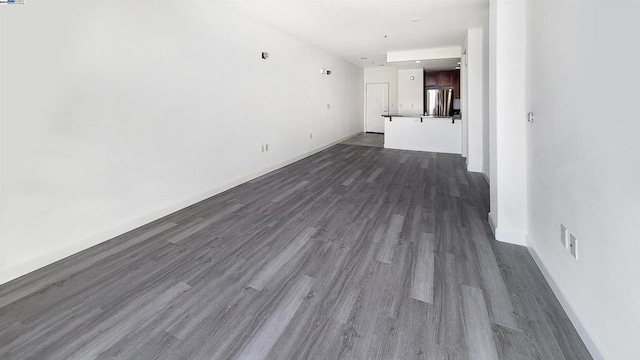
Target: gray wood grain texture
x=366 y=139
x=356 y=252
x=422 y=281
x=477 y=324
x=268 y=334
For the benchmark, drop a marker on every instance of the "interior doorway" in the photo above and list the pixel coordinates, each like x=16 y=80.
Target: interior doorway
x=377 y=104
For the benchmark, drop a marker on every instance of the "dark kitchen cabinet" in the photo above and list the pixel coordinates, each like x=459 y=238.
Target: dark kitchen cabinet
x=456 y=84
x=445 y=78
x=431 y=79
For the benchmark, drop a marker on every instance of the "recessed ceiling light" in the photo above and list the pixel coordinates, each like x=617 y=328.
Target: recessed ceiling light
x=418 y=61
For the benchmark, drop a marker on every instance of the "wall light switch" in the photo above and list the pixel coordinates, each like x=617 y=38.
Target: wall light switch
x=573 y=246
x=564 y=236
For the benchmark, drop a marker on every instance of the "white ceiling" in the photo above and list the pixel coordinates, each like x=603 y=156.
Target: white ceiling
x=352 y=29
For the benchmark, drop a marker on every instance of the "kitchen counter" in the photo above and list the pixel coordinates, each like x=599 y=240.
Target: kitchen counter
x=423 y=133
x=402 y=115
x=457 y=117
x=422 y=117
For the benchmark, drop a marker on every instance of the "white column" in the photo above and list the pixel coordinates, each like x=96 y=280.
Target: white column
x=508 y=172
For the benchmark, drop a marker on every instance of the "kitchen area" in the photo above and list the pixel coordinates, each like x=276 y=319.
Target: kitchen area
x=416 y=109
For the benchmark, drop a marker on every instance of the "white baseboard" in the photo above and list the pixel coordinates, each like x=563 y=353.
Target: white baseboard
x=492 y=223
x=509 y=237
x=473 y=168
x=582 y=330
x=486 y=177
x=37 y=262
x=505 y=236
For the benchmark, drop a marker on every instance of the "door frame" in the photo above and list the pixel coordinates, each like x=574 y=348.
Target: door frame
x=366 y=92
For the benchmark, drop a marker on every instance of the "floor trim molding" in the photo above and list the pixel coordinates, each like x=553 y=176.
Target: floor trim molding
x=510 y=238
x=486 y=177
x=589 y=342
x=492 y=224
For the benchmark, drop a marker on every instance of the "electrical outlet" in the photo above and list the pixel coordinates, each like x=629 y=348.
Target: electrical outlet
x=564 y=236
x=262 y=148
x=573 y=246
x=266 y=147
x=310 y=135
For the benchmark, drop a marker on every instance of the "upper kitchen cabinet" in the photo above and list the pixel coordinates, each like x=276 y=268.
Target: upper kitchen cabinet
x=456 y=84
x=431 y=79
x=445 y=78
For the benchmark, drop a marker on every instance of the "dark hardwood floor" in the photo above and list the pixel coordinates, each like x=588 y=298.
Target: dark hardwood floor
x=353 y=253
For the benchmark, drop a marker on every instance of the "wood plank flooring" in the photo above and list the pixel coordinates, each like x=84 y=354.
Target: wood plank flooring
x=353 y=253
x=366 y=139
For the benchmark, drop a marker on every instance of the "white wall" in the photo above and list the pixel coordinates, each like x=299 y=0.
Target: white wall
x=411 y=92
x=451 y=52
x=486 y=152
x=583 y=163
x=507 y=127
x=384 y=74
x=115 y=113
x=474 y=91
x=464 y=100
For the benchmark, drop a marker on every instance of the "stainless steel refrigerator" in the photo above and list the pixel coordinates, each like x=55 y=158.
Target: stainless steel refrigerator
x=438 y=102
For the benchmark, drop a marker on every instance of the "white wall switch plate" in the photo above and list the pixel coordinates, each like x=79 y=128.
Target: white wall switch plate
x=564 y=236
x=573 y=246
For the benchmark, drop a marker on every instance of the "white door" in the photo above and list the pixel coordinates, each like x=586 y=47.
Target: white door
x=377 y=105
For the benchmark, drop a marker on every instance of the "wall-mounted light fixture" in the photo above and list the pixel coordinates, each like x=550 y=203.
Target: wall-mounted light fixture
x=265 y=55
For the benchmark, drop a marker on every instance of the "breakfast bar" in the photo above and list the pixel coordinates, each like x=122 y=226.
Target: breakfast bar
x=423 y=133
